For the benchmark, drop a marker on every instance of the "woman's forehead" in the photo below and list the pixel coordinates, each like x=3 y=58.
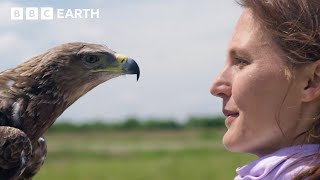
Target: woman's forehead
x=247 y=30
x=249 y=35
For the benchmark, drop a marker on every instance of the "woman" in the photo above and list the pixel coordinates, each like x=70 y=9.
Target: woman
x=270 y=87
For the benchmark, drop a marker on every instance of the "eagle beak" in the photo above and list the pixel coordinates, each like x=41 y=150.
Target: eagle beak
x=129 y=66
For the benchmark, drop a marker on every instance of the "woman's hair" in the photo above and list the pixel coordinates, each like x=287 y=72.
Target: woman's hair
x=295 y=27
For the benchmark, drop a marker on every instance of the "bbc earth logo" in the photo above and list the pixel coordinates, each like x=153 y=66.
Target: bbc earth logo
x=49 y=13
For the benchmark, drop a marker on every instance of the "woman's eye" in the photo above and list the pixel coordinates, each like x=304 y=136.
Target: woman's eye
x=91 y=59
x=241 y=62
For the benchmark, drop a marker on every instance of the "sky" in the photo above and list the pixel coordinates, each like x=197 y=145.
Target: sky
x=179 y=45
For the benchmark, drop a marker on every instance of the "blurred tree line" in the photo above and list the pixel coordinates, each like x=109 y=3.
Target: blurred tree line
x=138 y=124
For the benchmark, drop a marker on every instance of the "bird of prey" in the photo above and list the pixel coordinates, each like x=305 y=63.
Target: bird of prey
x=35 y=93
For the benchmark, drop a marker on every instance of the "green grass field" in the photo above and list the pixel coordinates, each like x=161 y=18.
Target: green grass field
x=140 y=155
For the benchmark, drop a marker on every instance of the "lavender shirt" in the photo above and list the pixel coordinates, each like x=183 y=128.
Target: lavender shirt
x=285 y=163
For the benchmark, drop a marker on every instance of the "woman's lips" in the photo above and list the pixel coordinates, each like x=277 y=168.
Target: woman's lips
x=230 y=118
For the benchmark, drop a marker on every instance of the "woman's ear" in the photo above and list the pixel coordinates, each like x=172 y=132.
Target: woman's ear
x=311 y=89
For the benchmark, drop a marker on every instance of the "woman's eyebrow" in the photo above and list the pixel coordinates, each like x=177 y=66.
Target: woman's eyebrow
x=237 y=52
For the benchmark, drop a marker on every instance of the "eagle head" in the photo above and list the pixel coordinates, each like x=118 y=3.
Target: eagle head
x=81 y=67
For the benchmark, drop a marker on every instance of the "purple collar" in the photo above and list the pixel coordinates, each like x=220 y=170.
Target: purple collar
x=285 y=163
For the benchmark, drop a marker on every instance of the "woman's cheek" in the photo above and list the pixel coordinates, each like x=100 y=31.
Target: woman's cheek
x=245 y=89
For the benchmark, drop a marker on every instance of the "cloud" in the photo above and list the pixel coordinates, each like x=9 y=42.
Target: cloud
x=5 y=13
x=13 y=50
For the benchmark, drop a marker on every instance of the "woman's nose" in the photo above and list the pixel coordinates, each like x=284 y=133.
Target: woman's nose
x=221 y=86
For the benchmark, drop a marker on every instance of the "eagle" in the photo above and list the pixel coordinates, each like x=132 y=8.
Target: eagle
x=35 y=93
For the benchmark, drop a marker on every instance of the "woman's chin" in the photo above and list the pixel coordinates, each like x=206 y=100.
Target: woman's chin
x=240 y=144
x=231 y=144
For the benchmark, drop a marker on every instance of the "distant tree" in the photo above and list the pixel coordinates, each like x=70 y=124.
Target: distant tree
x=130 y=123
x=161 y=124
x=205 y=122
x=133 y=123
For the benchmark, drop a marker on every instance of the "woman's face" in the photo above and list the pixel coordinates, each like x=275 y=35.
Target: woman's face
x=260 y=100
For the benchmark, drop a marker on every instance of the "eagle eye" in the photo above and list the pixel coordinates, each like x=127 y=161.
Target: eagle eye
x=91 y=59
